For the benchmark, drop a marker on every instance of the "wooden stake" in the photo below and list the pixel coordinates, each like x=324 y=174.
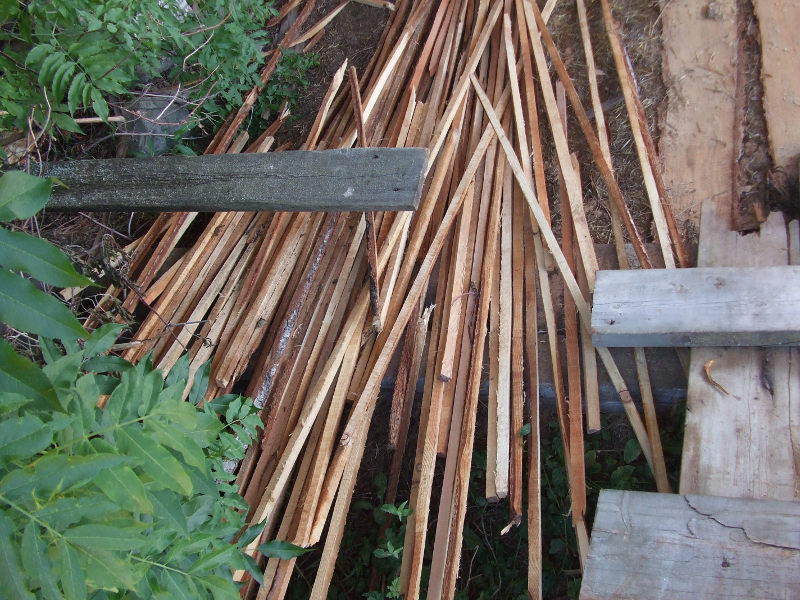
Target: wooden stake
x=322 y=24
x=464 y=451
x=534 y=20
x=462 y=86
x=534 y=467
x=570 y=283
x=575 y=204
x=659 y=219
x=577 y=468
x=319 y=121
x=499 y=449
x=656 y=189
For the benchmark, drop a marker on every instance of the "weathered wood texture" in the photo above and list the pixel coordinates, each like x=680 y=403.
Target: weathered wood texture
x=696 y=147
x=779 y=22
x=330 y=180
x=742 y=402
x=697 y=307
x=647 y=545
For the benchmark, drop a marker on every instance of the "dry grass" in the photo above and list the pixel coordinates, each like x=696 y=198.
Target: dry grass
x=639 y=25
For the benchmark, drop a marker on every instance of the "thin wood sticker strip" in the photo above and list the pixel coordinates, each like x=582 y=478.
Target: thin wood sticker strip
x=536 y=25
x=570 y=283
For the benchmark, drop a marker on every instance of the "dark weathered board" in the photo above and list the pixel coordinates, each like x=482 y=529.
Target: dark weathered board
x=670 y=546
x=719 y=306
x=355 y=179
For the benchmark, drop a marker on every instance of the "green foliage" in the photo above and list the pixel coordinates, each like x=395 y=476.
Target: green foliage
x=111 y=485
x=23 y=306
x=283 y=550
x=63 y=57
x=291 y=75
x=126 y=501
x=389 y=551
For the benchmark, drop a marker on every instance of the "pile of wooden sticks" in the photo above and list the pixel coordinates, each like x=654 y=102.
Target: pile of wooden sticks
x=317 y=304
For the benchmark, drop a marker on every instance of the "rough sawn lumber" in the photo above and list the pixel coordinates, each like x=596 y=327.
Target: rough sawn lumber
x=332 y=180
x=722 y=306
x=647 y=545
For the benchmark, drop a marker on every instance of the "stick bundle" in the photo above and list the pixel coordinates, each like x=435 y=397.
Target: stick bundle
x=314 y=306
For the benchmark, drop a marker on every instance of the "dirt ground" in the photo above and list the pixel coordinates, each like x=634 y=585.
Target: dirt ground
x=353 y=35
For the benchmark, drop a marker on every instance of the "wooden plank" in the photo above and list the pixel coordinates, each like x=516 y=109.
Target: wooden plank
x=333 y=180
x=647 y=545
x=779 y=22
x=722 y=306
x=696 y=146
x=761 y=397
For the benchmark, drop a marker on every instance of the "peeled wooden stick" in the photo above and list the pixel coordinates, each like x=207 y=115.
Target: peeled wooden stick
x=547 y=298
x=358 y=109
x=238 y=143
x=178 y=226
x=570 y=283
x=339 y=462
x=493 y=178
x=319 y=121
x=327 y=442
x=577 y=469
x=460 y=290
x=362 y=410
x=445 y=584
x=164 y=308
x=537 y=25
x=372 y=250
x=247 y=334
x=659 y=219
x=645 y=388
x=420 y=333
x=371 y=388
x=517 y=304
x=599 y=115
x=322 y=24
x=388 y=343
x=461 y=87
x=494 y=371
x=534 y=514
x=648 y=404
x=636 y=112
x=401 y=383
x=531 y=111
x=575 y=204
x=277 y=483
x=497 y=455
x=297 y=500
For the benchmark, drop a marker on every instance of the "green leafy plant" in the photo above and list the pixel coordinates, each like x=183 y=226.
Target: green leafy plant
x=23 y=305
x=128 y=500
x=389 y=551
x=111 y=485
x=62 y=57
x=291 y=76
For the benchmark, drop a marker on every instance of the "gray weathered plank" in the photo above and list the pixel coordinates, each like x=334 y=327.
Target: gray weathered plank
x=647 y=545
x=718 y=306
x=355 y=179
x=742 y=435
